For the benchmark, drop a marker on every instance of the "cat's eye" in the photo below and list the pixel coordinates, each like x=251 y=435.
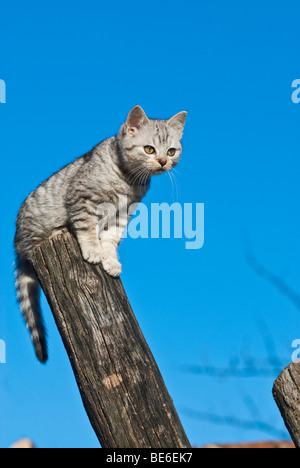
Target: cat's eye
x=149 y=149
x=171 y=152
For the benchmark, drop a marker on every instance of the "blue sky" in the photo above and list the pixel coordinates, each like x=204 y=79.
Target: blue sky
x=73 y=70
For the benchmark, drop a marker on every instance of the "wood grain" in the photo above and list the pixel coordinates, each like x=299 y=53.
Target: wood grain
x=121 y=386
x=286 y=392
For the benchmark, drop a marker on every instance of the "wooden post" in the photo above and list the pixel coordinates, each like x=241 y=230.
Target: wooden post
x=120 y=384
x=286 y=392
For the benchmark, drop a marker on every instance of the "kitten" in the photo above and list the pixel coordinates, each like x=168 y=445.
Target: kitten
x=119 y=166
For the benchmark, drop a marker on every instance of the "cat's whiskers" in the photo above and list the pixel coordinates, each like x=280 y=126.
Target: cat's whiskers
x=144 y=177
x=175 y=184
x=138 y=176
x=174 y=192
x=134 y=175
x=176 y=170
x=171 y=183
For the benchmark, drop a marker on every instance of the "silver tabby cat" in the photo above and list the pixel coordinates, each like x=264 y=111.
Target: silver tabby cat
x=120 y=166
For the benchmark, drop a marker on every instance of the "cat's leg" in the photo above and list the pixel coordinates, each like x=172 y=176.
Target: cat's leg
x=90 y=245
x=109 y=242
x=85 y=225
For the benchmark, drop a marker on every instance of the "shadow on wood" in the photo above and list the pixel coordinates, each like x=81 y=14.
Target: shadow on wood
x=120 y=384
x=286 y=392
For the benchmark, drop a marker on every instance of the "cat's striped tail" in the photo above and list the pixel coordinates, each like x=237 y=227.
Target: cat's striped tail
x=28 y=289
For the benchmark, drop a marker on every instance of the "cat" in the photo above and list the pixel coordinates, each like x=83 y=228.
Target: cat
x=119 y=166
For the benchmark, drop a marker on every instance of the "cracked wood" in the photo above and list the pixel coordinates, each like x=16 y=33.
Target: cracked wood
x=121 y=386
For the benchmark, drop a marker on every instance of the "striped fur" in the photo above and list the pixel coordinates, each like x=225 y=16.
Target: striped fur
x=119 y=166
x=28 y=296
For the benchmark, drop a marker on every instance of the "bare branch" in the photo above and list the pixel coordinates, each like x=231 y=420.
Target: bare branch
x=229 y=372
x=233 y=421
x=273 y=279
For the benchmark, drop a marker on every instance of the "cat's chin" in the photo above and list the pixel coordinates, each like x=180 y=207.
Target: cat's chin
x=159 y=171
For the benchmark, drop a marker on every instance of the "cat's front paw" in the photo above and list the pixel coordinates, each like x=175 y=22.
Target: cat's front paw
x=92 y=256
x=112 y=266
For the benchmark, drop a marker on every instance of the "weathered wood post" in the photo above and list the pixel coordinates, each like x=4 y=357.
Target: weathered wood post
x=286 y=392
x=120 y=384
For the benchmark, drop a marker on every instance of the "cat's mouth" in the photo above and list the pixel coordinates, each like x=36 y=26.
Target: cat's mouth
x=159 y=170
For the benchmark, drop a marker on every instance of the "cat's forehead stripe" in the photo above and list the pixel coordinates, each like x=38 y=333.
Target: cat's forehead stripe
x=161 y=131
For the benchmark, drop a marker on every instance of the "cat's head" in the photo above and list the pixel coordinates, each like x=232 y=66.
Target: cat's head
x=149 y=145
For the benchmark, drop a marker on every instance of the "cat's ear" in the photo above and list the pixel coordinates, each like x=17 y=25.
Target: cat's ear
x=135 y=120
x=178 y=122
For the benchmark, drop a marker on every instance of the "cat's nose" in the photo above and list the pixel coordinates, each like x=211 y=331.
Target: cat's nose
x=163 y=161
